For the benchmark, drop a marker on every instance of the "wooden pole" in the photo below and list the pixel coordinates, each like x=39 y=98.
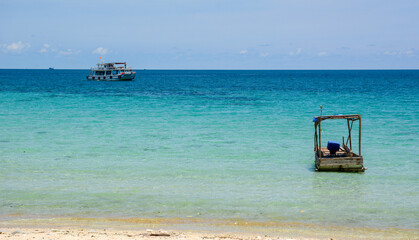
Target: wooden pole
x=320 y=131
x=359 y=135
x=343 y=141
x=315 y=139
x=320 y=137
x=350 y=134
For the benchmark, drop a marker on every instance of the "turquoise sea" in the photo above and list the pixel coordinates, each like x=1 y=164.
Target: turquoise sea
x=207 y=145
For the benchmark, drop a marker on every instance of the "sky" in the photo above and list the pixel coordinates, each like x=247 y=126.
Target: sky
x=210 y=34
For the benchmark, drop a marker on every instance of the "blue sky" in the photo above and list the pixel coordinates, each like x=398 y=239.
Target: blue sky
x=211 y=34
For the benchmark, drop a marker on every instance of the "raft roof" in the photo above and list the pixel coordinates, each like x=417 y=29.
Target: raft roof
x=350 y=117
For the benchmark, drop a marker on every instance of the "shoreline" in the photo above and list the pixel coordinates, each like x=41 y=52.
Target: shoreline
x=190 y=228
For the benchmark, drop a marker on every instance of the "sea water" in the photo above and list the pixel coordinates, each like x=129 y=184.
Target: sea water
x=208 y=145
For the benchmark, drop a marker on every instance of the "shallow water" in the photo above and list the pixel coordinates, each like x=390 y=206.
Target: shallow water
x=207 y=144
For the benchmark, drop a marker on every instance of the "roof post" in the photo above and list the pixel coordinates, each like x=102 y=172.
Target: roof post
x=320 y=137
x=359 y=135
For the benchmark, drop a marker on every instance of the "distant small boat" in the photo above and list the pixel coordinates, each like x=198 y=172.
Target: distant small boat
x=51 y=68
x=115 y=71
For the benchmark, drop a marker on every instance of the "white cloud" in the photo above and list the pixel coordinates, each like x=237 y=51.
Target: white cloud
x=408 y=53
x=390 y=53
x=264 y=54
x=16 y=47
x=243 y=52
x=100 y=51
x=68 y=52
x=322 y=54
x=296 y=52
x=45 y=48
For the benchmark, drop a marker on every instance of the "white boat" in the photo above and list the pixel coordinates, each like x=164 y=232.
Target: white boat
x=115 y=71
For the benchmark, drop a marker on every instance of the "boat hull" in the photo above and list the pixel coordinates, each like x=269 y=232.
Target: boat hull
x=120 y=77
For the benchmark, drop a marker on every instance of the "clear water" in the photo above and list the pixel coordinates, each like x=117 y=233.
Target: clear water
x=207 y=144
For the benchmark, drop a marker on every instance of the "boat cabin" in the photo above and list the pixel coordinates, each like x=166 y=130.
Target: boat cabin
x=335 y=156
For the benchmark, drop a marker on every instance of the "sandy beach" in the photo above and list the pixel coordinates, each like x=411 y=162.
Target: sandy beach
x=81 y=233
x=77 y=233
x=89 y=228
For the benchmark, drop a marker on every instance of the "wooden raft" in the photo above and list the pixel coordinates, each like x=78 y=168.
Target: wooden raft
x=344 y=159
